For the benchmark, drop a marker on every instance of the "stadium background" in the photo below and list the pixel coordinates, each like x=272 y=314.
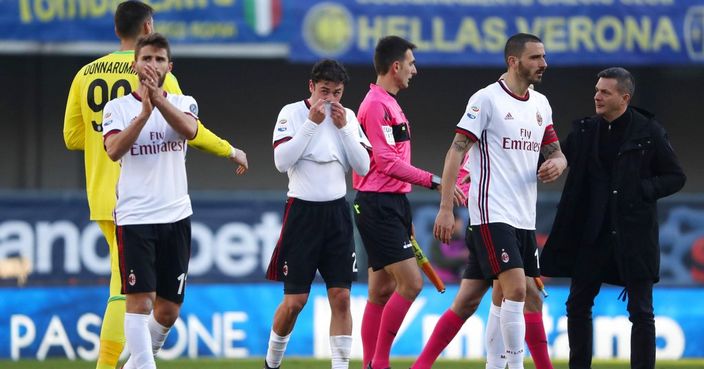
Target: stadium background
x=242 y=70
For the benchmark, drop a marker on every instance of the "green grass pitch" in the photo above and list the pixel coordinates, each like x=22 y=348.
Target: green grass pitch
x=302 y=363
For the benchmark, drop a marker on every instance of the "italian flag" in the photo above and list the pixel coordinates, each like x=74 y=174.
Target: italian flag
x=262 y=15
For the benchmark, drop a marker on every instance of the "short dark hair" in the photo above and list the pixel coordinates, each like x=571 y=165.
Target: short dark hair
x=517 y=43
x=329 y=70
x=390 y=49
x=624 y=79
x=130 y=16
x=156 y=39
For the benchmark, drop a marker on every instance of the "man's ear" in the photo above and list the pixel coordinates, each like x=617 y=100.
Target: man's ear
x=395 y=67
x=311 y=86
x=512 y=61
x=626 y=98
x=147 y=27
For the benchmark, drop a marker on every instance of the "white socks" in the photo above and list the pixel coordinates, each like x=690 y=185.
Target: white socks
x=157 y=333
x=277 y=347
x=513 y=328
x=340 y=348
x=494 y=341
x=138 y=341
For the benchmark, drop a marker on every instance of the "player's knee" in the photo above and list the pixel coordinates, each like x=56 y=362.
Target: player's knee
x=340 y=301
x=465 y=309
x=138 y=304
x=381 y=293
x=534 y=303
x=515 y=293
x=166 y=316
x=294 y=306
x=410 y=288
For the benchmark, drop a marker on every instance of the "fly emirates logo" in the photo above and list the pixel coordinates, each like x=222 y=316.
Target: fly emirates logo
x=157 y=146
x=522 y=143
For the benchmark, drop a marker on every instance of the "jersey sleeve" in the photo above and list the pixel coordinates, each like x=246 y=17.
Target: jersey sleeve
x=209 y=142
x=188 y=105
x=290 y=141
x=476 y=116
x=284 y=128
x=171 y=85
x=550 y=136
x=354 y=123
x=387 y=158
x=113 y=119
x=74 y=127
x=356 y=146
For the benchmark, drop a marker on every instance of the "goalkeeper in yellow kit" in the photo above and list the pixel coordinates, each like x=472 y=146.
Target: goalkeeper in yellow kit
x=98 y=82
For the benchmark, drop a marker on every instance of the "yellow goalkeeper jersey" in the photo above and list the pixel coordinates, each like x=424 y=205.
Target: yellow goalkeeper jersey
x=98 y=82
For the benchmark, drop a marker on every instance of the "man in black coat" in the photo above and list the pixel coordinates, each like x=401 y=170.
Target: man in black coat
x=606 y=227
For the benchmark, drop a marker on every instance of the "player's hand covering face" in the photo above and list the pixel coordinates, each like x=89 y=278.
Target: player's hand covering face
x=152 y=65
x=326 y=90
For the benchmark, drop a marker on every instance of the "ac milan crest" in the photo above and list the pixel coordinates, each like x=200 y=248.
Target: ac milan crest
x=131 y=279
x=504 y=256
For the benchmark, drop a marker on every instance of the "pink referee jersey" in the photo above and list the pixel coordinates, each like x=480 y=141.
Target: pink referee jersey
x=389 y=132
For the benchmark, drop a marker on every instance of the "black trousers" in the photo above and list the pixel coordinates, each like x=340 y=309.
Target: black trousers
x=583 y=289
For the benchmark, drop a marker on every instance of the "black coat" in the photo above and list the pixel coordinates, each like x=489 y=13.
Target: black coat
x=646 y=169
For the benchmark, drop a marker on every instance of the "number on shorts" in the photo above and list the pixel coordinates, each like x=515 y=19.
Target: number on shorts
x=537 y=258
x=182 y=281
x=354 y=262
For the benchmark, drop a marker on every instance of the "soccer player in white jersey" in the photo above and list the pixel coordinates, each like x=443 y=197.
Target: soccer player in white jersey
x=511 y=126
x=147 y=132
x=316 y=141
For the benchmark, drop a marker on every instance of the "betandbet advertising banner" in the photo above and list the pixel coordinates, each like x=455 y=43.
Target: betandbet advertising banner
x=50 y=237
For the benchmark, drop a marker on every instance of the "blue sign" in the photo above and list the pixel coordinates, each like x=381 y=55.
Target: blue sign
x=192 y=22
x=605 y=32
x=234 y=321
x=475 y=32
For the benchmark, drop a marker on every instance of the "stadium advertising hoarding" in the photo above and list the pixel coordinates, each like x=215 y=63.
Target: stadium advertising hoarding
x=48 y=238
x=233 y=321
x=256 y=26
x=447 y=32
x=473 y=32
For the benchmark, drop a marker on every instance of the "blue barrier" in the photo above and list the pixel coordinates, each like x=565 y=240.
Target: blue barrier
x=233 y=321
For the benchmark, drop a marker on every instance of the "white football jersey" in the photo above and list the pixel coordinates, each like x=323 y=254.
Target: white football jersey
x=152 y=188
x=322 y=160
x=509 y=132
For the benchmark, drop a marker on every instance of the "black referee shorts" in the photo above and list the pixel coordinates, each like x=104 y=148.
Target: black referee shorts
x=384 y=222
x=314 y=236
x=497 y=247
x=154 y=258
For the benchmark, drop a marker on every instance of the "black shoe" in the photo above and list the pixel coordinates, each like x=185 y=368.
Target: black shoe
x=266 y=366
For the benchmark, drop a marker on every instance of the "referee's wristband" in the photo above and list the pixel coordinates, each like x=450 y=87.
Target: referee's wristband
x=435 y=182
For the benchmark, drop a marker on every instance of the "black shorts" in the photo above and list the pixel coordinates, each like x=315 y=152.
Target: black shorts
x=154 y=258
x=384 y=222
x=497 y=247
x=314 y=236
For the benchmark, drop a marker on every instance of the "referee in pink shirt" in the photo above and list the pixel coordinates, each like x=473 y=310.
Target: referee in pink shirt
x=382 y=211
